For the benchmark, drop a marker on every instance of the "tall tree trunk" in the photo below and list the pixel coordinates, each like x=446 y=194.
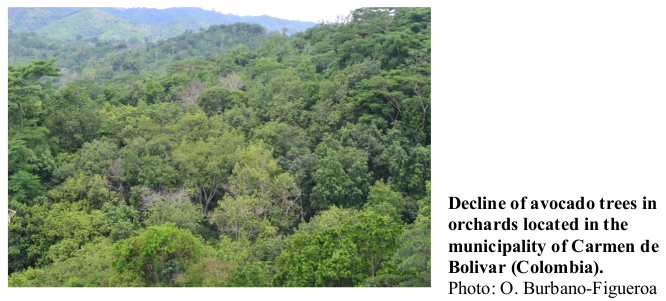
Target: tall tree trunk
x=20 y=116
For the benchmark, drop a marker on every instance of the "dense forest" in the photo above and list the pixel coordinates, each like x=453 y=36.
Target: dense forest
x=233 y=156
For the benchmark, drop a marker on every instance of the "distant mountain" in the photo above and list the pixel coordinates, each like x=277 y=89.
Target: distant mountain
x=151 y=22
x=103 y=60
x=153 y=15
x=32 y=19
x=91 y=22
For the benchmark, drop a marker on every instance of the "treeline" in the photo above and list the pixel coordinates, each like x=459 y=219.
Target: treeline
x=100 y=61
x=161 y=23
x=304 y=161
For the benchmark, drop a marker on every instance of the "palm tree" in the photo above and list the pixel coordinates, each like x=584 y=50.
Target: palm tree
x=108 y=110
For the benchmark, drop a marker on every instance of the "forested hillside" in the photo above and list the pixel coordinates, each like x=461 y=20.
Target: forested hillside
x=92 y=22
x=229 y=157
x=139 y=22
x=100 y=61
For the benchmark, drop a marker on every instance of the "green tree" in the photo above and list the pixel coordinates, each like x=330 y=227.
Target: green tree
x=413 y=255
x=155 y=257
x=376 y=240
x=183 y=214
x=20 y=156
x=24 y=86
x=341 y=176
x=320 y=259
x=120 y=221
x=257 y=174
x=214 y=100
x=73 y=118
x=344 y=255
x=241 y=216
x=68 y=227
x=94 y=158
x=209 y=272
x=24 y=230
x=107 y=110
x=88 y=266
x=207 y=164
x=382 y=200
x=24 y=187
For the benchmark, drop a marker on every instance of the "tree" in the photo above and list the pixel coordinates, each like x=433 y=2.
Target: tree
x=24 y=86
x=88 y=266
x=209 y=272
x=241 y=215
x=384 y=201
x=24 y=229
x=343 y=255
x=282 y=137
x=341 y=176
x=93 y=191
x=231 y=82
x=94 y=158
x=413 y=255
x=207 y=164
x=408 y=171
x=107 y=110
x=178 y=211
x=73 y=118
x=120 y=221
x=376 y=239
x=321 y=259
x=24 y=187
x=154 y=91
x=20 y=156
x=257 y=174
x=155 y=257
x=213 y=100
x=67 y=229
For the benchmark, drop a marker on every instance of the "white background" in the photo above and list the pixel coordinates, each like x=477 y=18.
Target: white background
x=550 y=100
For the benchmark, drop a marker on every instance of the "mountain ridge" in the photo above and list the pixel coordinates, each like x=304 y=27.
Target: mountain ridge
x=102 y=25
x=170 y=21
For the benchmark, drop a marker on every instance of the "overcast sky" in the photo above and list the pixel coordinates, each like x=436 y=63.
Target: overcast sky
x=307 y=11
x=303 y=11
x=284 y=9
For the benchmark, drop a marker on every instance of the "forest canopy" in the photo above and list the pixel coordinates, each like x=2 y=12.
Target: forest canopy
x=232 y=156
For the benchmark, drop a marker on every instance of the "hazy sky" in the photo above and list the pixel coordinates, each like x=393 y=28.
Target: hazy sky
x=307 y=11
x=285 y=9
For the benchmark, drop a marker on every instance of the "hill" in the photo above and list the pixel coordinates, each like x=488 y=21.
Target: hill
x=298 y=160
x=153 y=16
x=171 y=21
x=32 y=19
x=93 y=22
x=91 y=57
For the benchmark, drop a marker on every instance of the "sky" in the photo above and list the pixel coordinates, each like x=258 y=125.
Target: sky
x=285 y=9
x=307 y=12
x=312 y=11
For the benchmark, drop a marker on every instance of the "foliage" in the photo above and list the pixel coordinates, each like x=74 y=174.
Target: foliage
x=155 y=257
x=89 y=266
x=382 y=200
x=345 y=256
x=226 y=156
